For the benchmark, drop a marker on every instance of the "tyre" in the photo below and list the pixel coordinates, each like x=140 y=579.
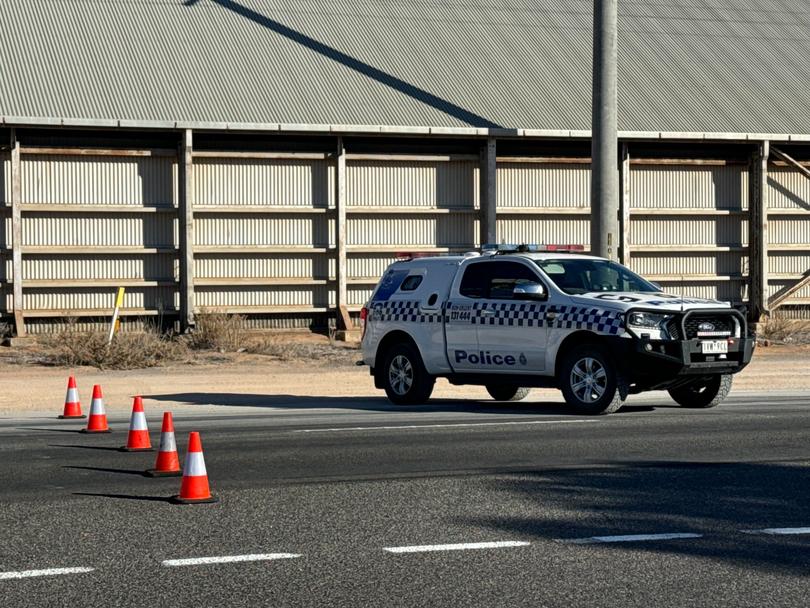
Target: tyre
x=590 y=382
x=703 y=393
x=405 y=378
x=506 y=392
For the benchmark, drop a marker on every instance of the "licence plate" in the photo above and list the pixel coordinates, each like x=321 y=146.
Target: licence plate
x=713 y=347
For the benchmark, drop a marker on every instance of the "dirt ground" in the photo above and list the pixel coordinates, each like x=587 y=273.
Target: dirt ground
x=320 y=370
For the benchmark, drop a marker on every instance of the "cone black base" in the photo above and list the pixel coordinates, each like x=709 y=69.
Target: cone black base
x=156 y=473
x=63 y=417
x=94 y=432
x=126 y=449
x=192 y=501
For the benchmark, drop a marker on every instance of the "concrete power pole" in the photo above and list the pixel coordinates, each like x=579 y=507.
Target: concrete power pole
x=604 y=142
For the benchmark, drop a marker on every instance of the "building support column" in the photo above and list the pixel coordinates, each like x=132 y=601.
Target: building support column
x=343 y=321
x=624 y=207
x=487 y=184
x=16 y=234
x=186 y=214
x=758 y=232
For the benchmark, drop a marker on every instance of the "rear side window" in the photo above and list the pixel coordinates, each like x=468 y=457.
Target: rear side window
x=495 y=280
x=411 y=283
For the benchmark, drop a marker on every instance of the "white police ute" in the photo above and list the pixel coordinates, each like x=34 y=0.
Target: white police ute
x=515 y=317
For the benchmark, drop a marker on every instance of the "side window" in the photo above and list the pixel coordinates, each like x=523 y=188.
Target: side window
x=506 y=276
x=475 y=282
x=411 y=283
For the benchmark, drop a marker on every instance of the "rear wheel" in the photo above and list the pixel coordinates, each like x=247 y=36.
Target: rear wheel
x=505 y=392
x=589 y=381
x=703 y=393
x=405 y=378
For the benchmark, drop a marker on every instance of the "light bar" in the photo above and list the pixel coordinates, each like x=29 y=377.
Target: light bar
x=511 y=248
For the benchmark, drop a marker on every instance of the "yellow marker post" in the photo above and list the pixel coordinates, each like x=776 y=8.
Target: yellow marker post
x=116 y=322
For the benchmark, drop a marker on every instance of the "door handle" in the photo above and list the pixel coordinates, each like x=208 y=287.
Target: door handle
x=551 y=316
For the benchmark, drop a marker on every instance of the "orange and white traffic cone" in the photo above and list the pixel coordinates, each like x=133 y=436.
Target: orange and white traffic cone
x=194 y=487
x=73 y=407
x=97 y=422
x=138 y=437
x=168 y=462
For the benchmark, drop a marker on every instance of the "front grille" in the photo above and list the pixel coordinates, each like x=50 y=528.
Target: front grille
x=723 y=326
x=674 y=328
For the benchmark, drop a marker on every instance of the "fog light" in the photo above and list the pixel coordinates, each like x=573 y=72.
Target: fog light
x=648 y=347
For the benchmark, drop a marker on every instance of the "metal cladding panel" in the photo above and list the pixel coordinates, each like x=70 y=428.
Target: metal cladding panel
x=5 y=178
x=102 y=298
x=394 y=230
x=543 y=185
x=549 y=229
x=794 y=262
x=358 y=296
x=98 y=230
x=263 y=230
x=5 y=230
x=99 y=180
x=441 y=184
x=287 y=266
x=799 y=312
x=691 y=230
x=6 y=271
x=258 y=296
x=726 y=291
x=103 y=267
x=53 y=325
x=689 y=186
x=788 y=189
x=789 y=230
x=368 y=266
x=720 y=263
x=776 y=285
x=288 y=183
x=306 y=321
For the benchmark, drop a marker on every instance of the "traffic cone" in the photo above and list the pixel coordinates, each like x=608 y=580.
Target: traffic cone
x=194 y=487
x=138 y=437
x=97 y=423
x=73 y=407
x=168 y=462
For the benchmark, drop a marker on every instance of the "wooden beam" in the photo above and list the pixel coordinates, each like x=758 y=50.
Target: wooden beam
x=186 y=215
x=758 y=231
x=487 y=183
x=624 y=206
x=16 y=234
x=259 y=155
x=791 y=161
x=780 y=297
x=52 y=151
x=343 y=321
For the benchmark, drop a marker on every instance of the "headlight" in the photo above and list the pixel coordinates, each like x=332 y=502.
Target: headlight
x=650 y=323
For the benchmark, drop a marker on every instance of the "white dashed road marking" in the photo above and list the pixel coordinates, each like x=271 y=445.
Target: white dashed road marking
x=457 y=547
x=778 y=531
x=228 y=559
x=47 y=572
x=439 y=426
x=626 y=538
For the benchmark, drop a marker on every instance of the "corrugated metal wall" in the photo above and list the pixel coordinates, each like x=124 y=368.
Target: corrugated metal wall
x=5 y=233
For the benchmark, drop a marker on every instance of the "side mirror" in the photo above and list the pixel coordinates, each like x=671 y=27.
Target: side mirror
x=530 y=291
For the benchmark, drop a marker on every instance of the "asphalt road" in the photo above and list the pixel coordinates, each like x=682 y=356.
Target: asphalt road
x=354 y=503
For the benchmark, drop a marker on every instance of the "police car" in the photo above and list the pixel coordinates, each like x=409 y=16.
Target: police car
x=515 y=317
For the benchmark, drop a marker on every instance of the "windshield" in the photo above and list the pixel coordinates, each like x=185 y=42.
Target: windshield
x=581 y=275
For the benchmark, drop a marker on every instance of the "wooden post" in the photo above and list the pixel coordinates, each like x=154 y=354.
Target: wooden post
x=186 y=216
x=487 y=182
x=758 y=232
x=624 y=207
x=16 y=234
x=343 y=320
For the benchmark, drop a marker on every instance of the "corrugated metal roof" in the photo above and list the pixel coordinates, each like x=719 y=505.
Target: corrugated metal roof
x=684 y=65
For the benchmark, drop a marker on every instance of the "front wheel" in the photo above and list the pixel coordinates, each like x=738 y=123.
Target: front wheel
x=506 y=392
x=589 y=381
x=703 y=393
x=405 y=378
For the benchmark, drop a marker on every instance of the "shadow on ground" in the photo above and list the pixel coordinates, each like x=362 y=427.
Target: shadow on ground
x=717 y=500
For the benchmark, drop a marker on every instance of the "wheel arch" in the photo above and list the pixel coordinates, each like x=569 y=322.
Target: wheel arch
x=578 y=338
x=395 y=336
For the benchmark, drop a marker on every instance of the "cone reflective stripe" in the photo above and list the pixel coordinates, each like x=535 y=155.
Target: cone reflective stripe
x=73 y=406
x=97 y=422
x=194 y=487
x=138 y=437
x=168 y=462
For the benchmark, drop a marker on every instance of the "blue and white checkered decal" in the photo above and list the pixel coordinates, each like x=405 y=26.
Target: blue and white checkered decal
x=405 y=311
x=594 y=319
x=510 y=314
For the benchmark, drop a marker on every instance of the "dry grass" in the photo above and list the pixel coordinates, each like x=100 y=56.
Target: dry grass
x=218 y=331
x=785 y=331
x=283 y=349
x=130 y=350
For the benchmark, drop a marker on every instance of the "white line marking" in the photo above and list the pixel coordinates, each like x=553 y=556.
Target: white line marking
x=228 y=559
x=457 y=547
x=48 y=572
x=439 y=426
x=778 y=531
x=626 y=538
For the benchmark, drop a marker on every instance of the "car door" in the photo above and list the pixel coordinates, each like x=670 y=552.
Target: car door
x=461 y=333
x=512 y=333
